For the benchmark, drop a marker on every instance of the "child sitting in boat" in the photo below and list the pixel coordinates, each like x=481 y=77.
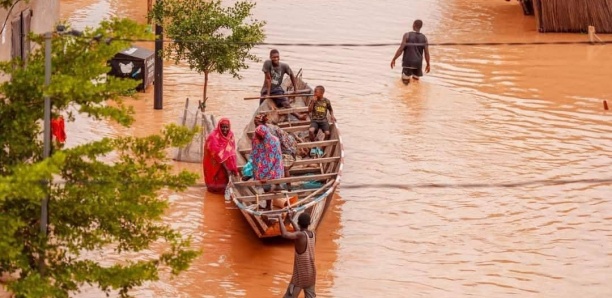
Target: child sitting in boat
x=318 y=108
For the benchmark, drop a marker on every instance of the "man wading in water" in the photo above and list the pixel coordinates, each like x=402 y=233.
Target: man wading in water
x=304 y=271
x=412 y=61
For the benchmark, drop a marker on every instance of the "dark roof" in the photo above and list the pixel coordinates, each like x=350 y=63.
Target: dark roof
x=136 y=52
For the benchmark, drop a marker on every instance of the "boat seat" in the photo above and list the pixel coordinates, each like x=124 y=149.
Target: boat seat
x=302 y=145
x=287 y=179
x=288 y=129
x=287 y=111
x=293 y=123
x=276 y=195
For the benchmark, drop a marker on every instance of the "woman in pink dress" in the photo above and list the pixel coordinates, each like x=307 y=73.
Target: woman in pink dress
x=219 y=157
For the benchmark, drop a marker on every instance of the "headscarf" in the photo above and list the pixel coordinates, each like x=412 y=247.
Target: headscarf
x=261 y=118
x=288 y=142
x=266 y=155
x=223 y=147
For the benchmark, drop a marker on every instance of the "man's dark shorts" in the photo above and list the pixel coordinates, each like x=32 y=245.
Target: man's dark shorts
x=320 y=124
x=418 y=72
x=281 y=102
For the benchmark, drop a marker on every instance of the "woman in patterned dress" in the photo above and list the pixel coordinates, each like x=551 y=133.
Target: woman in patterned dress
x=266 y=157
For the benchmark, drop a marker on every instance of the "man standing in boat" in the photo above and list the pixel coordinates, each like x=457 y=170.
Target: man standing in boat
x=274 y=72
x=304 y=271
x=412 y=60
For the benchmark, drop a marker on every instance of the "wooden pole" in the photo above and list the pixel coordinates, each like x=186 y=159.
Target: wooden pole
x=183 y=121
x=294 y=94
x=158 y=88
x=592 y=36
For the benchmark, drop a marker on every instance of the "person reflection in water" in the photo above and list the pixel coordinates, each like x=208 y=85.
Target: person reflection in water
x=304 y=271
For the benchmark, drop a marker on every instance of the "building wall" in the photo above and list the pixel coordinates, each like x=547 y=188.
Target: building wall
x=45 y=15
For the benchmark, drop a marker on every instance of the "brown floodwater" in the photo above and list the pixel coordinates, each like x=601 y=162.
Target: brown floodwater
x=484 y=118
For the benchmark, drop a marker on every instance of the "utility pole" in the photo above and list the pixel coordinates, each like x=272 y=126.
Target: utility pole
x=44 y=215
x=158 y=85
x=44 y=205
x=47 y=124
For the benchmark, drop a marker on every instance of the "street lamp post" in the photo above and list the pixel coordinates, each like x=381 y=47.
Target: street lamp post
x=44 y=215
x=46 y=125
x=44 y=206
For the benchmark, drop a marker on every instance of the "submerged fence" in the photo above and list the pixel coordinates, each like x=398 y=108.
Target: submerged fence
x=573 y=15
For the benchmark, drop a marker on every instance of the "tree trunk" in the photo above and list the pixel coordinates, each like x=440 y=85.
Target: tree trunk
x=205 y=85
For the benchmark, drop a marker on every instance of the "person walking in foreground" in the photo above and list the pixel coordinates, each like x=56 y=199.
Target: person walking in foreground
x=219 y=157
x=412 y=60
x=318 y=108
x=304 y=270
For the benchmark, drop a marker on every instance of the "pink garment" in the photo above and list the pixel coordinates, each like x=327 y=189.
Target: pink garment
x=219 y=150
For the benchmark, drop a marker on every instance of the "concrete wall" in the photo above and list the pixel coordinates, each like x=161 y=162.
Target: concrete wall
x=45 y=15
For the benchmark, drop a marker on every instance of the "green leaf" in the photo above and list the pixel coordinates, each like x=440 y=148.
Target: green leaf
x=208 y=36
x=103 y=195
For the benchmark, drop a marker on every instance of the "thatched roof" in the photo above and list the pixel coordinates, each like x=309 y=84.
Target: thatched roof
x=573 y=15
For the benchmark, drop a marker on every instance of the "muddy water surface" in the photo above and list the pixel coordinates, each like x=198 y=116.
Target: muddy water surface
x=484 y=116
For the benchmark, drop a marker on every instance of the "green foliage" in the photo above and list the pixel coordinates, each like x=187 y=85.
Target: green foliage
x=103 y=195
x=210 y=37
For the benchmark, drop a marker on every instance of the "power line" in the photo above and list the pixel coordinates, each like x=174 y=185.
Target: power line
x=519 y=43
x=478 y=185
x=537 y=182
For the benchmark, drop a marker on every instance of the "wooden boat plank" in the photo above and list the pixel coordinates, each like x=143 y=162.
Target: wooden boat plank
x=317 y=144
x=276 y=195
x=293 y=123
x=309 y=161
x=287 y=129
x=300 y=170
x=287 y=179
x=288 y=111
x=304 y=171
x=303 y=145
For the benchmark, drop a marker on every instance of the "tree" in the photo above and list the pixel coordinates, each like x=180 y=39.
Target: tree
x=93 y=204
x=208 y=36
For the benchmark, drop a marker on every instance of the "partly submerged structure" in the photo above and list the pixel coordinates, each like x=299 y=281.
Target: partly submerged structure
x=570 y=15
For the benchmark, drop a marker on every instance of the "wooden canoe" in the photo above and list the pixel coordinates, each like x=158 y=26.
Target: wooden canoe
x=313 y=179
